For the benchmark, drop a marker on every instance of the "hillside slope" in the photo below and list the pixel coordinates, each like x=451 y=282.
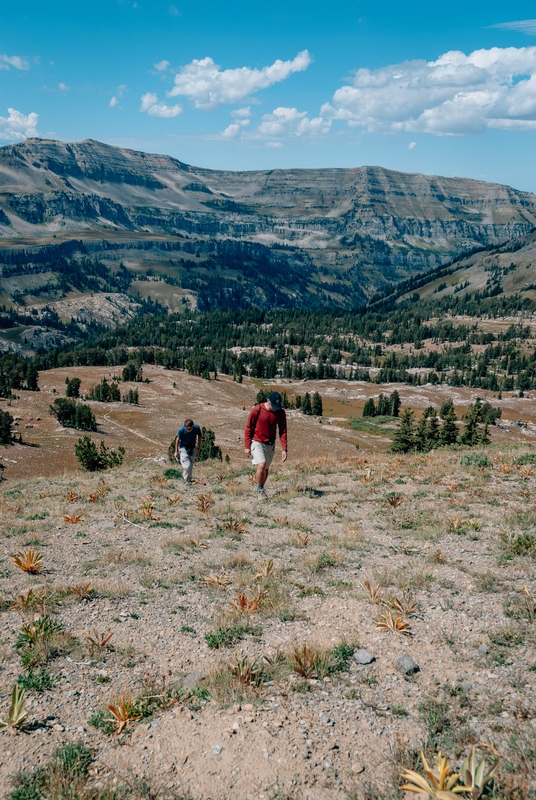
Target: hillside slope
x=269 y=237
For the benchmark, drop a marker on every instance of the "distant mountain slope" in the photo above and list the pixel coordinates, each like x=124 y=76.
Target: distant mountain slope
x=269 y=237
x=504 y=270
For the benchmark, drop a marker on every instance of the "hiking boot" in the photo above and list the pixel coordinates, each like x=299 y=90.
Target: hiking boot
x=261 y=494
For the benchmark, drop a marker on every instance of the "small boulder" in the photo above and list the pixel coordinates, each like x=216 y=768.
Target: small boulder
x=406 y=665
x=363 y=657
x=483 y=650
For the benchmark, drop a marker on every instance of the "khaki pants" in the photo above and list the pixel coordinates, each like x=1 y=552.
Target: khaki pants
x=187 y=463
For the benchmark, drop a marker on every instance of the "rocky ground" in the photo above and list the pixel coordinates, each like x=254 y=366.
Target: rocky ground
x=236 y=629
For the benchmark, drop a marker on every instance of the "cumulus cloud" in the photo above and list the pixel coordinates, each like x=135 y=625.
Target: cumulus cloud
x=207 y=86
x=457 y=94
x=274 y=144
x=150 y=104
x=6 y=62
x=522 y=25
x=63 y=87
x=284 y=122
x=113 y=102
x=161 y=66
x=18 y=126
x=412 y=145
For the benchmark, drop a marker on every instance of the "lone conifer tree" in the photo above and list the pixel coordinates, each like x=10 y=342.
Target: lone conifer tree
x=404 y=438
x=316 y=405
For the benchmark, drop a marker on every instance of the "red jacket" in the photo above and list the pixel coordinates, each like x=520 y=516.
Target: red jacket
x=262 y=426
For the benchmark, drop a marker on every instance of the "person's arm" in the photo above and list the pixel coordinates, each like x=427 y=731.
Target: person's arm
x=282 y=424
x=199 y=441
x=250 y=429
x=176 y=447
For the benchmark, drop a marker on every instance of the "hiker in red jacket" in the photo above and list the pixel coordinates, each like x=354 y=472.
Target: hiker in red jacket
x=260 y=436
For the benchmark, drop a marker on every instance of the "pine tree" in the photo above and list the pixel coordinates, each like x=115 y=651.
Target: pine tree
x=369 y=409
x=306 y=405
x=395 y=403
x=432 y=430
x=471 y=434
x=449 y=431
x=421 y=438
x=316 y=405
x=404 y=438
x=447 y=406
x=383 y=406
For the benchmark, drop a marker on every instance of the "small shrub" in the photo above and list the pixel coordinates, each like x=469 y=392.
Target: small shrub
x=225 y=637
x=528 y=458
x=72 y=387
x=477 y=460
x=37 y=681
x=105 y=392
x=65 y=776
x=93 y=459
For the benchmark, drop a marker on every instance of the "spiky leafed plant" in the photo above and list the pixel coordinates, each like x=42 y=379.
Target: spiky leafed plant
x=303 y=661
x=233 y=525
x=303 y=538
x=122 y=713
x=397 y=624
x=439 y=782
x=407 y=606
x=71 y=497
x=204 y=502
x=99 y=640
x=73 y=519
x=265 y=568
x=221 y=581
x=30 y=561
x=84 y=591
x=394 y=500
x=244 y=604
x=373 y=591
x=246 y=672
x=29 y=602
x=16 y=716
x=172 y=500
x=477 y=778
x=38 y=632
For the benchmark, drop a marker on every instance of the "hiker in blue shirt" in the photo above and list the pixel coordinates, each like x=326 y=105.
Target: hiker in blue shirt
x=185 y=447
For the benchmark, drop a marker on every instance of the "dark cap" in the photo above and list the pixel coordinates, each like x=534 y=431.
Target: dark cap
x=275 y=400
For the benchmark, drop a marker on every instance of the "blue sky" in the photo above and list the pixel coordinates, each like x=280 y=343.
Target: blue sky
x=443 y=88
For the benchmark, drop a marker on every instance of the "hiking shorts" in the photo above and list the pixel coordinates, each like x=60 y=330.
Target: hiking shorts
x=262 y=453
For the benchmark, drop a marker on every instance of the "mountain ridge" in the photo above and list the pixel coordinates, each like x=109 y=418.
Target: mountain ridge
x=88 y=217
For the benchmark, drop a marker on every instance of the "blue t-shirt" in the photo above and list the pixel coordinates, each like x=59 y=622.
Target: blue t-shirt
x=188 y=439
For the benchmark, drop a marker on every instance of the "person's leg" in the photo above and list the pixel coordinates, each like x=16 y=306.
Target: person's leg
x=186 y=464
x=262 y=475
x=191 y=469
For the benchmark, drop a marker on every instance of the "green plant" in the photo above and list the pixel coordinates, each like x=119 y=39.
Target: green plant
x=208 y=448
x=528 y=458
x=37 y=681
x=105 y=392
x=93 y=459
x=132 y=397
x=225 y=637
x=72 y=387
x=71 y=414
x=16 y=716
x=477 y=778
x=64 y=777
x=6 y=427
x=477 y=460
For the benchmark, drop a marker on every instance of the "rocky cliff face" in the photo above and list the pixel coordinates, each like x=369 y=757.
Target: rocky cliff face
x=349 y=231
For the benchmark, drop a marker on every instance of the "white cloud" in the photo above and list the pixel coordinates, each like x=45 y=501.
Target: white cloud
x=242 y=112
x=161 y=66
x=208 y=87
x=150 y=104
x=284 y=122
x=457 y=94
x=113 y=102
x=18 y=126
x=522 y=25
x=174 y=11
x=63 y=87
x=232 y=131
x=412 y=145
x=13 y=61
x=274 y=144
